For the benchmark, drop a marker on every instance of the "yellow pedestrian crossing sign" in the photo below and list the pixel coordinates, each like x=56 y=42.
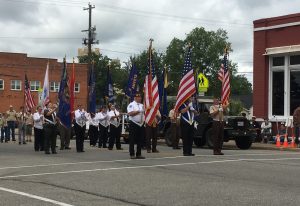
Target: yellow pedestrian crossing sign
x=203 y=83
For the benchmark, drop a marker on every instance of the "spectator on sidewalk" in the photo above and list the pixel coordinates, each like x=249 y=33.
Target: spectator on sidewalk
x=266 y=130
x=296 y=122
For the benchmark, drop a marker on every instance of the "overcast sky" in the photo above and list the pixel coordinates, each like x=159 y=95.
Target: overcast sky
x=52 y=28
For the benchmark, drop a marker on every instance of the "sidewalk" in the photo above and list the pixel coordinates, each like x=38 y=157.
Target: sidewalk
x=262 y=146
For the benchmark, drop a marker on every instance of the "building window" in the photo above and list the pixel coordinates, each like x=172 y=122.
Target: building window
x=54 y=86
x=77 y=87
x=1 y=84
x=278 y=61
x=294 y=59
x=35 y=85
x=278 y=93
x=16 y=85
x=294 y=90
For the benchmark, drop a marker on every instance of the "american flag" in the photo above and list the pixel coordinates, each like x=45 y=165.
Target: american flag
x=187 y=84
x=29 y=103
x=223 y=76
x=151 y=91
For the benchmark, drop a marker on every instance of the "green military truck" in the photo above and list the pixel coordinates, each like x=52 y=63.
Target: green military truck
x=236 y=128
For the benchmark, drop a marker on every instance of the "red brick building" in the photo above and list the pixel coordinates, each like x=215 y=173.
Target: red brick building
x=276 y=67
x=13 y=67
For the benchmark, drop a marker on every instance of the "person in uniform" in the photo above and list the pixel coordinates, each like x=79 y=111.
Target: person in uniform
x=136 y=126
x=151 y=134
x=80 y=126
x=175 y=128
x=21 y=125
x=115 y=128
x=187 y=112
x=2 y=127
x=38 y=119
x=217 y=113
x=103 y=127
x=50 y=128
x=28 y=125
x=93 y=129
x=296 y=123
x=11 y=121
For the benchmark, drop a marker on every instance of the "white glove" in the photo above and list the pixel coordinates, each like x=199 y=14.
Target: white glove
x=220 y=109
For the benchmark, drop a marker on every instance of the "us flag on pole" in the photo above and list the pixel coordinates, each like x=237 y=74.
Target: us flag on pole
x=187 y=84
x=223 y=76
x=151 y=91
x=29 y=103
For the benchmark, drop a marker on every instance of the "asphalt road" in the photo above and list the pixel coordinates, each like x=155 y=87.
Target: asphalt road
x=103 y=177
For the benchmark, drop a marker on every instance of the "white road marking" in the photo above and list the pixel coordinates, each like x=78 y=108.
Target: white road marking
x=144 y=166
x=127 y=160
x=34 y=197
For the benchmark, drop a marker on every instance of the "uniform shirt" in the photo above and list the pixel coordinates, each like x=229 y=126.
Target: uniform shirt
x=38 y=120
x=80 y=117
x=103 y=118
x=28 y=119
x=219 y=116
x=11 y=115
x=93 y=121
x=139 y=118
x=188 y=116
x=1 y=122
x=21 y=117
x=49 y=119
x=173 y=117
x=114 y=121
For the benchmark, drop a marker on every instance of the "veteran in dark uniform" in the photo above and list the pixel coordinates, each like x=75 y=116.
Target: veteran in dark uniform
x=187 y=112
x=136 y=126
x=50 y=128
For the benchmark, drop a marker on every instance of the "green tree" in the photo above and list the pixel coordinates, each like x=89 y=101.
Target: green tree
x=207 y=54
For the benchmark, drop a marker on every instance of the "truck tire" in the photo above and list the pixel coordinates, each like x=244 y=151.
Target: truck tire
x=243 y=142
x=168 y=137
x=209 y=137
x=199 y=142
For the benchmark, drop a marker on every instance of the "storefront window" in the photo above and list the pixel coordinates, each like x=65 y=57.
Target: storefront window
x=278 y=93
x=294 y=90
x=278 y=61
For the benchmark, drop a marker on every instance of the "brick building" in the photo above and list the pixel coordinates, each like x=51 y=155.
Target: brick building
x=13 y=67
x=276 y=67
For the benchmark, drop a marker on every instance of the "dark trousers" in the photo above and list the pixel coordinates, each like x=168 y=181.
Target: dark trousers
x=115 y=134
x=218 y=134
x=297 y=134
x=11 y=130
x=187 y=133
x=65 y=136
x=4 y=134
x=151 y=137
x=93 y=134
x=38 y=139
x=79 y=132
x=136 y=134
x=103 y=136
x=175 y=132
x=50 y=137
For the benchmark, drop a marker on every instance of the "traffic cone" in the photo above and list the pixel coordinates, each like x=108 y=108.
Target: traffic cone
x=285 y=143
x=277 y=140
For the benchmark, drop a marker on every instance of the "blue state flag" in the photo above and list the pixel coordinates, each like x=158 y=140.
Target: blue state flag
x=109 y=88
x=132 y=83
x=64 y=111
x=92 y=92
x=163 y=93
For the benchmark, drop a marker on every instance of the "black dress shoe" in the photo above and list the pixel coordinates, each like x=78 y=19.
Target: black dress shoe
x=47 y=152
x=191 y=154
x=186 y=154
x=218 y=153
x=120 y=148
x=132 y=157
x=67 y=147
x=140 y=157
x=54 y=152
x=155 y=151
x=110 y=148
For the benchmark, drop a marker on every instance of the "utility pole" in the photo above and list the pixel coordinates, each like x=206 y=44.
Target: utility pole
x=89 y=42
